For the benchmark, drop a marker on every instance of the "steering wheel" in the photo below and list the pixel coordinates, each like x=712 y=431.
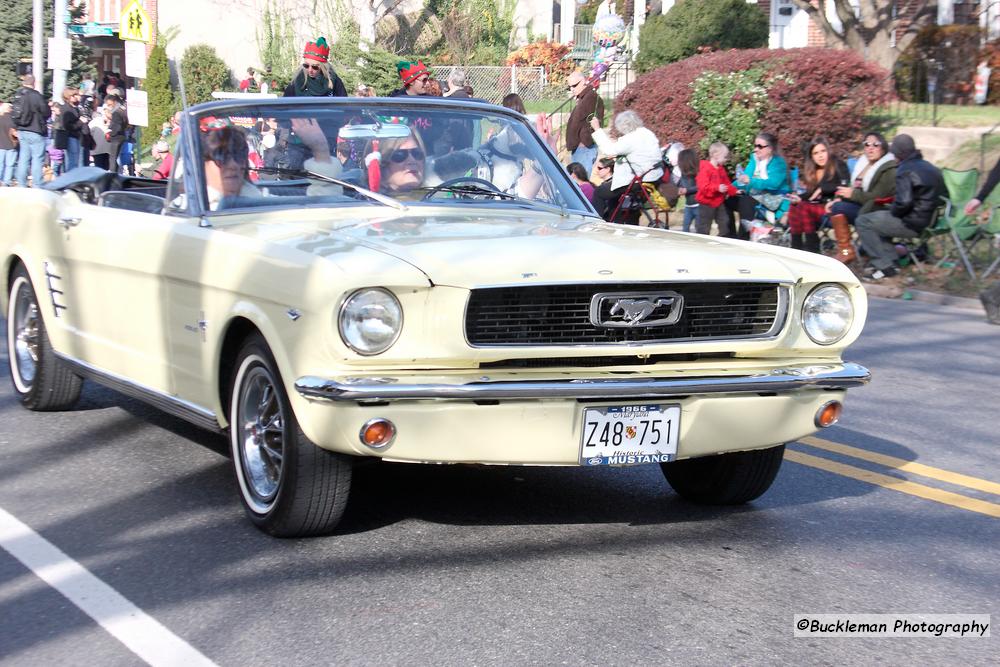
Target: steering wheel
x=471 y=180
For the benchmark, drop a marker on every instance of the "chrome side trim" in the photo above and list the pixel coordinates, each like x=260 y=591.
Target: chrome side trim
x=190 y=412
x=783 y=380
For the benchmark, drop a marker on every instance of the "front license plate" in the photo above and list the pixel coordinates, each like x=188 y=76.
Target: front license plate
x=630 y=434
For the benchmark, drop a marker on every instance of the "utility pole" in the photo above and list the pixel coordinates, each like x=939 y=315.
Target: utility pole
x=59 y=21
x=37 y=64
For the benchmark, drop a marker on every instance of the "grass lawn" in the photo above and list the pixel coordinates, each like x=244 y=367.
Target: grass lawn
x=948 y=115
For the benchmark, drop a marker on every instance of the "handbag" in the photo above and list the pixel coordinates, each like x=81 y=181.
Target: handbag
x=769 y=200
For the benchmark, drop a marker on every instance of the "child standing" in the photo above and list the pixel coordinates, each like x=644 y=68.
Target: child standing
x=713 y=188
x=687 y=162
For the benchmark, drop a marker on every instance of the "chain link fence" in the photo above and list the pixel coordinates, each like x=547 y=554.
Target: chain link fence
x=495 y=83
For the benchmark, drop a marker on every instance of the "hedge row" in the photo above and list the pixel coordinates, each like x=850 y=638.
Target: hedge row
x=809 y=92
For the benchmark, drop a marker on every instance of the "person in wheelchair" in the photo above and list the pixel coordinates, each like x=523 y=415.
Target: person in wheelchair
x=640 y=160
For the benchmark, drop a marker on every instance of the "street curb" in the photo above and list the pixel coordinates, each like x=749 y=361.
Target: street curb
x=896 y=292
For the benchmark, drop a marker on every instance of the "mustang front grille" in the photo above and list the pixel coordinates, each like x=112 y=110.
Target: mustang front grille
x=597 y=314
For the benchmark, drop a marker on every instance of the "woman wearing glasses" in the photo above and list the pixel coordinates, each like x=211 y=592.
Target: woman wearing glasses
x=316 y=77
x=764 y=183
x=873 y=179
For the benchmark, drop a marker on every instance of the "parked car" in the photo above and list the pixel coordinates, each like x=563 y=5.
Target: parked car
x=415 y=280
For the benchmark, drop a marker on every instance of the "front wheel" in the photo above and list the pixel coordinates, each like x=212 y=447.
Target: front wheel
x=725 y=479
x=289 y=486
x=42 y=380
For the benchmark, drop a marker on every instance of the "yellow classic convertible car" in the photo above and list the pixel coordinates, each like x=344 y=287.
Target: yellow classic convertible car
x=419 y=281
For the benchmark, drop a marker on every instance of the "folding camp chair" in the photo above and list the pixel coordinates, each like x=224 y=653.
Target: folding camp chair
x=960 y=227
x=988 y=231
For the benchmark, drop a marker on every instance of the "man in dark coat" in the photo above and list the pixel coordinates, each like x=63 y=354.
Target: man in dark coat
x=117 y=127
x=579 y=134
x=29 y=115
x=919 y=187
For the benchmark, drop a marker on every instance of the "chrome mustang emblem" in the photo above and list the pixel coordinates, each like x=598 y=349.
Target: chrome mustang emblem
x=636 y=309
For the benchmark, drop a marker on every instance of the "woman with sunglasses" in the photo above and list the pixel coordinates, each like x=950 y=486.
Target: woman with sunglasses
x=872 y=179
x=403 y=164
x=316 y=77
x=764 y=183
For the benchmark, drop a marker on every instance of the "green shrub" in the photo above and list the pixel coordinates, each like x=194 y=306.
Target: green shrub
x=204 y=72
x=690 y=27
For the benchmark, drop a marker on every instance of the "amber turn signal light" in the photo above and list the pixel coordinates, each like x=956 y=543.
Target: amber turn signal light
x=377 y=433
x=829 y=414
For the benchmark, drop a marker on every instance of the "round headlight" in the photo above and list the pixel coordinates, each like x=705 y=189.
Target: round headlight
x=827 y=314
x=370 y=321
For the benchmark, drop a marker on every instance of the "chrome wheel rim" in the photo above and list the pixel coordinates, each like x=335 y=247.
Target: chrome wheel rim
x=261 y=437
x=26 y=338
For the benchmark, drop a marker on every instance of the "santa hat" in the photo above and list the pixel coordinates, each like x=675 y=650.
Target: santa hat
x=410 y=71
x=318 y=50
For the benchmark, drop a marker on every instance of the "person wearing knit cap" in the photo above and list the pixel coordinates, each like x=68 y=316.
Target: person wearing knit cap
x=919 y=187
x=316 y=77
x=414 y=76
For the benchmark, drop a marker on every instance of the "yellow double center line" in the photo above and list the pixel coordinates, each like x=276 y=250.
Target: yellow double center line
x=896 y=484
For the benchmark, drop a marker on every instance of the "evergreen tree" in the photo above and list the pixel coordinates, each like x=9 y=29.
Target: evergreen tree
x=160 y=96
x=15 y=26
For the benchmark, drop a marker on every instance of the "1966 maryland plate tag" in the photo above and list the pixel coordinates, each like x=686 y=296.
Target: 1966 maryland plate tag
x=630 y=434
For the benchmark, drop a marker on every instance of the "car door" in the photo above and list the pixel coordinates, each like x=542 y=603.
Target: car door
x=115 y=255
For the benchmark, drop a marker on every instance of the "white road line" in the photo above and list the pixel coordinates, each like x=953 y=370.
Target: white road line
x=141 y=633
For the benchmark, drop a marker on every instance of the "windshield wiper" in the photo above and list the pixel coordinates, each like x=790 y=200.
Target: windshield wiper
x=473 y=189
x=306 y=173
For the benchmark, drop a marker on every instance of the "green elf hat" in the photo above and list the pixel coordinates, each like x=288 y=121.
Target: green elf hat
x=410 y=71
x=318 y=50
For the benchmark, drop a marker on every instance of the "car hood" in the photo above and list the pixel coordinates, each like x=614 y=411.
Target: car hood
x=475 y=249
x=505 y=250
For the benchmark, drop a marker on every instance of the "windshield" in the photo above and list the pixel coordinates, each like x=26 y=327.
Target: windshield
x=377 y=153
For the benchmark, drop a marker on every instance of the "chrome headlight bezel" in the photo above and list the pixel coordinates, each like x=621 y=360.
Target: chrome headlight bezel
x=346 y=317
x=829 y=300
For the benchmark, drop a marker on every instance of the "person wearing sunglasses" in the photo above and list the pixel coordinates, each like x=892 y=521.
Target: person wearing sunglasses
x=873 y=179
x=316 y=77
x=764 y=183
x=403 y=163
x=415 y=77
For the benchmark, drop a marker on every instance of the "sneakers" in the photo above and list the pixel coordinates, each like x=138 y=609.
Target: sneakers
x=877 y=275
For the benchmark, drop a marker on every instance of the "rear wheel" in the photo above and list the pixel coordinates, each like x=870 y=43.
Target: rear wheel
x=289 y=486
x=725 y=479
x=42 y=380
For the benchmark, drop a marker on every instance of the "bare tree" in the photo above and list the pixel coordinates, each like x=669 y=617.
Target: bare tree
x=870 y=30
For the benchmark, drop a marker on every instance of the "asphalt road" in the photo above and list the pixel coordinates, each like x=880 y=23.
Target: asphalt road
x=474 y=565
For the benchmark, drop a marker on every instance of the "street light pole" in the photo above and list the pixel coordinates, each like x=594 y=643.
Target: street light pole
x=37 y=66
x=59 y=75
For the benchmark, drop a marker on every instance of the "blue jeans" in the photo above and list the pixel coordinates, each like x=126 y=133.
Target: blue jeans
x=690 y=215
x=848 y=208
x=33 y=152
x=8 y=157
x=585 y=156
x=71 y=160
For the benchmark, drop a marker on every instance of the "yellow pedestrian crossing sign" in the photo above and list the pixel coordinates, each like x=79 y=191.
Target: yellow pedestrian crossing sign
x=135 y=24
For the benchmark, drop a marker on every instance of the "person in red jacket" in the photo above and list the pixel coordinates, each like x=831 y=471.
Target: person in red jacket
x=713 y=188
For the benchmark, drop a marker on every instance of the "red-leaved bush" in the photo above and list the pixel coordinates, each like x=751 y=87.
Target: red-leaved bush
x=550 y=55
x=810 y=92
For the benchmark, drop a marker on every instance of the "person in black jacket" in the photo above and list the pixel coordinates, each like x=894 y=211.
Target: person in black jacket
x=316 y=77
x=919 y=187
x=66 y=134
x=30 y=114
x=116 y=130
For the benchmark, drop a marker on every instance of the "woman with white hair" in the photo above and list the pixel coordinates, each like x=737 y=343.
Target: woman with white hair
x=457 y=83
x=637 y=153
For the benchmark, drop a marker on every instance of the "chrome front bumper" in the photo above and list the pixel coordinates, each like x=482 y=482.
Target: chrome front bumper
x=782 y=380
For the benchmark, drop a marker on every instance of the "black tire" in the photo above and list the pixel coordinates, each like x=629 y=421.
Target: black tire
x=725 y=479
x=42 y=381
x=288 y=486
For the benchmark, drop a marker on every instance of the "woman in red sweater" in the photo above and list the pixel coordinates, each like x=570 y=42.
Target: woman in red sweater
x=713 y=188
